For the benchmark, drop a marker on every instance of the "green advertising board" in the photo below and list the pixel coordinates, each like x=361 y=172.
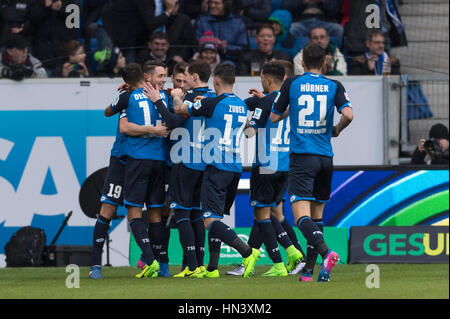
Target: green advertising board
x=335 y=237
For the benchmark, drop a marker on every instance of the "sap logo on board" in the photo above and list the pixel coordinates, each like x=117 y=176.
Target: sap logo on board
x=48 y=155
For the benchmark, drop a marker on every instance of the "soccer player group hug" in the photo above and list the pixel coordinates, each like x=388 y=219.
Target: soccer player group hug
x=177 y=154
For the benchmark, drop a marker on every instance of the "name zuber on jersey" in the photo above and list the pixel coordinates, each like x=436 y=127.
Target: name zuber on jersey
x=199 y=129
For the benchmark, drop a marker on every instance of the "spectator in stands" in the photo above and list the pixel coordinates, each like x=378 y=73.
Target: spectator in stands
x=49 y=22
x=336 y=64
x=254 y=13
x=112 y=62
x=16 y=63
x=181 y=35
x=311 y=13
x=251 y=62
x=281 y=21
x=92 y=12
x=74 y=65
x=194 y=8
x=435 y=150
x=227 y=28
x=157 y=48
x=178 y=77
x=129 y=23
x=16 y=16
x=208 y=50
x=375 y=61
x=390 y=24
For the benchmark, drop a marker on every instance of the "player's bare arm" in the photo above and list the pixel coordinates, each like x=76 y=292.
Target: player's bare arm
x=178 y=103
x=109 y=111
x=132 y=129
x=346 y=119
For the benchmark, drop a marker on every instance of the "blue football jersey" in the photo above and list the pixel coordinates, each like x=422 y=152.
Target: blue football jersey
x=272 y=139
x=194 y=126
x=142 y=111
x=226 y=117
x=312 y=98
x=120 y=104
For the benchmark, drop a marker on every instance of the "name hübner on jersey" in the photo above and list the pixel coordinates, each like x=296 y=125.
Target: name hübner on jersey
x=314 y=87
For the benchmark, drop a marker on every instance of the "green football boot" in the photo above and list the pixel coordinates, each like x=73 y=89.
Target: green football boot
x=249 y=262
x=277 y=270
x=149 y=271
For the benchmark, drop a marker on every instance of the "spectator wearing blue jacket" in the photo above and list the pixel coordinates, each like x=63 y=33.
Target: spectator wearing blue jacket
x=281 y=21
x=229 y=29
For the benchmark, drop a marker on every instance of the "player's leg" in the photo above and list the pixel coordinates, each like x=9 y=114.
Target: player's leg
x=264 y=223
x=218 y=190
x=303 y=170
x=164 y=253
x=277 y=212
x=322 y=191
x=107 y=212
x=112 y=196
x=136 y=187
x=265 y=187
x=312 y=253
x=197 y=221
x=182 y=189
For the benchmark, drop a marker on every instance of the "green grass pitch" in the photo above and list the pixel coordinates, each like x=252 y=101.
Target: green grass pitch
x=397 y=281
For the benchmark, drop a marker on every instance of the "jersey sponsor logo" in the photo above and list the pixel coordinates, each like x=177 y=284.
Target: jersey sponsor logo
x=116 y=101
x=207 y=214
x=197 y=105
x=257 y=114
x=346 y=96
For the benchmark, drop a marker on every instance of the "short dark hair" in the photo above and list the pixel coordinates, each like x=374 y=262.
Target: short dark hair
x=226 y=72
x=159 y=35
x=275 y=70
x=201 y=68
x=317 y=27
x=71 y=47
x=313 y=56
x=288 y=67
x=180 y=67
x=16 y=41
x=265 y=26
x=132 y=74
x=373 y=33
x=150 y=66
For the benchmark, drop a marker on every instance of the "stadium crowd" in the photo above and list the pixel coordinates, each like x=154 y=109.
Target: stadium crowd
x=36 y=41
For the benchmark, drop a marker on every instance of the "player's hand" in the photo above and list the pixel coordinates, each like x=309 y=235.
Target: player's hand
x=177 y=93
x=421 y=145
x=152 y=92
x=124 y=87
x=160 y=130
x=257 y=93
